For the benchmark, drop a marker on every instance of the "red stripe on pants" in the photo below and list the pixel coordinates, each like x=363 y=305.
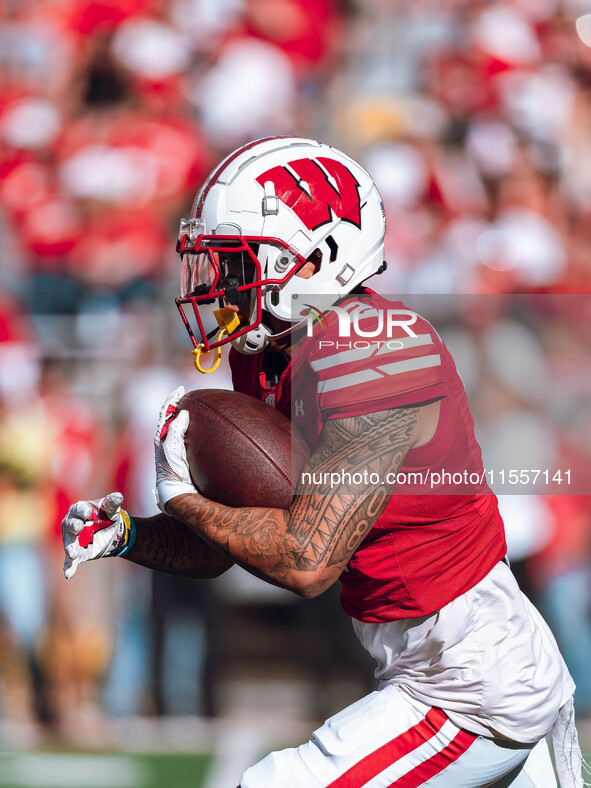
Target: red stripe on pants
x=389 y=753
x=437 y=763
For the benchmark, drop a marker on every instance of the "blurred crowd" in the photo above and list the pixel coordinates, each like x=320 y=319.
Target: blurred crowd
x=474 y=118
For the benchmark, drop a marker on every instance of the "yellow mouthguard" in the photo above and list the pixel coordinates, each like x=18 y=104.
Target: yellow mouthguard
x=227 y=319
x=198 y=352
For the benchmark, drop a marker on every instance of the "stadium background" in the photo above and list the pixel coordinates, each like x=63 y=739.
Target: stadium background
x=475 y=120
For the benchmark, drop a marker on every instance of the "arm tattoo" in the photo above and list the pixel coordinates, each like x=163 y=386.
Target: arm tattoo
x=371 y=446
x=327 y=521
x=166 y=544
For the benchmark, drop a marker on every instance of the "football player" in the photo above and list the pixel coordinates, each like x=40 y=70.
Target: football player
x=282 y=237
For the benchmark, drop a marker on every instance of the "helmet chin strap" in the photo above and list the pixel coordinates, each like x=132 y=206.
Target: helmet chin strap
x=281 y=334
x=260 y=337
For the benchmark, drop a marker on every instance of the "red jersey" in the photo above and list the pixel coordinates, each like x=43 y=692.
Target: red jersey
x=441 y=531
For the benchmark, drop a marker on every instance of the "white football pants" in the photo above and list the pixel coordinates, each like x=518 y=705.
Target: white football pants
x=387 y=740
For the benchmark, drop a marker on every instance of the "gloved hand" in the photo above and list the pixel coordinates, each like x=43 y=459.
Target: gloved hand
x=172 y=469
x=94 y=529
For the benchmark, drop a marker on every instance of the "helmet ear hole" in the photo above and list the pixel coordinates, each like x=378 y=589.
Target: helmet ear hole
x=313 y=264
x=333 y=246
x=316 y=257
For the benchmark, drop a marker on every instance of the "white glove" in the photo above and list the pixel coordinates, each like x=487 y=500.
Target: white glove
x=94 y=529
x=172 y=469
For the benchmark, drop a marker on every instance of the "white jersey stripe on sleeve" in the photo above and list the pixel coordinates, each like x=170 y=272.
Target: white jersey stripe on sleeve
x=361 y=353
x=411 y=364
x=405 y=342
x=367 y=375
x=344 y=381
x=344 y=357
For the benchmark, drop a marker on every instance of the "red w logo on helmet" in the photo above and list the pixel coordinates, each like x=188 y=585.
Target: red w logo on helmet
x=315 y=189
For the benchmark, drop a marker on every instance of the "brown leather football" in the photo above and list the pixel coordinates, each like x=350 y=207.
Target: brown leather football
x=241 y=451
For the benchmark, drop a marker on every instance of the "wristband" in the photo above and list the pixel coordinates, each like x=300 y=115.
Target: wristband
x=128 y=538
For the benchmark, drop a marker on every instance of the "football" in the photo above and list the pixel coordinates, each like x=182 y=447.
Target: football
x=241 y=451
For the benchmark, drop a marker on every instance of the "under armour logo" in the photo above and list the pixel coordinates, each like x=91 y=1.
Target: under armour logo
x=170 y=415
x=299 y=408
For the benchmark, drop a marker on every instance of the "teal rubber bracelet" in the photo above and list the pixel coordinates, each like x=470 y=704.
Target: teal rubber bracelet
x=131 y=540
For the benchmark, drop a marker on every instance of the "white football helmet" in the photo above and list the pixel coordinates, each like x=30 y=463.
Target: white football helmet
x=262 y=213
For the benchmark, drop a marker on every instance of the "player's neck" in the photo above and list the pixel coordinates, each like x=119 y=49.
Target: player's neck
x=288 y=344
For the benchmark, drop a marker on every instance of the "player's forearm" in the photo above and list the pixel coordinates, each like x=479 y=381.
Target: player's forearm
x=256 y=538
x=281 y=546
x=165 y=544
